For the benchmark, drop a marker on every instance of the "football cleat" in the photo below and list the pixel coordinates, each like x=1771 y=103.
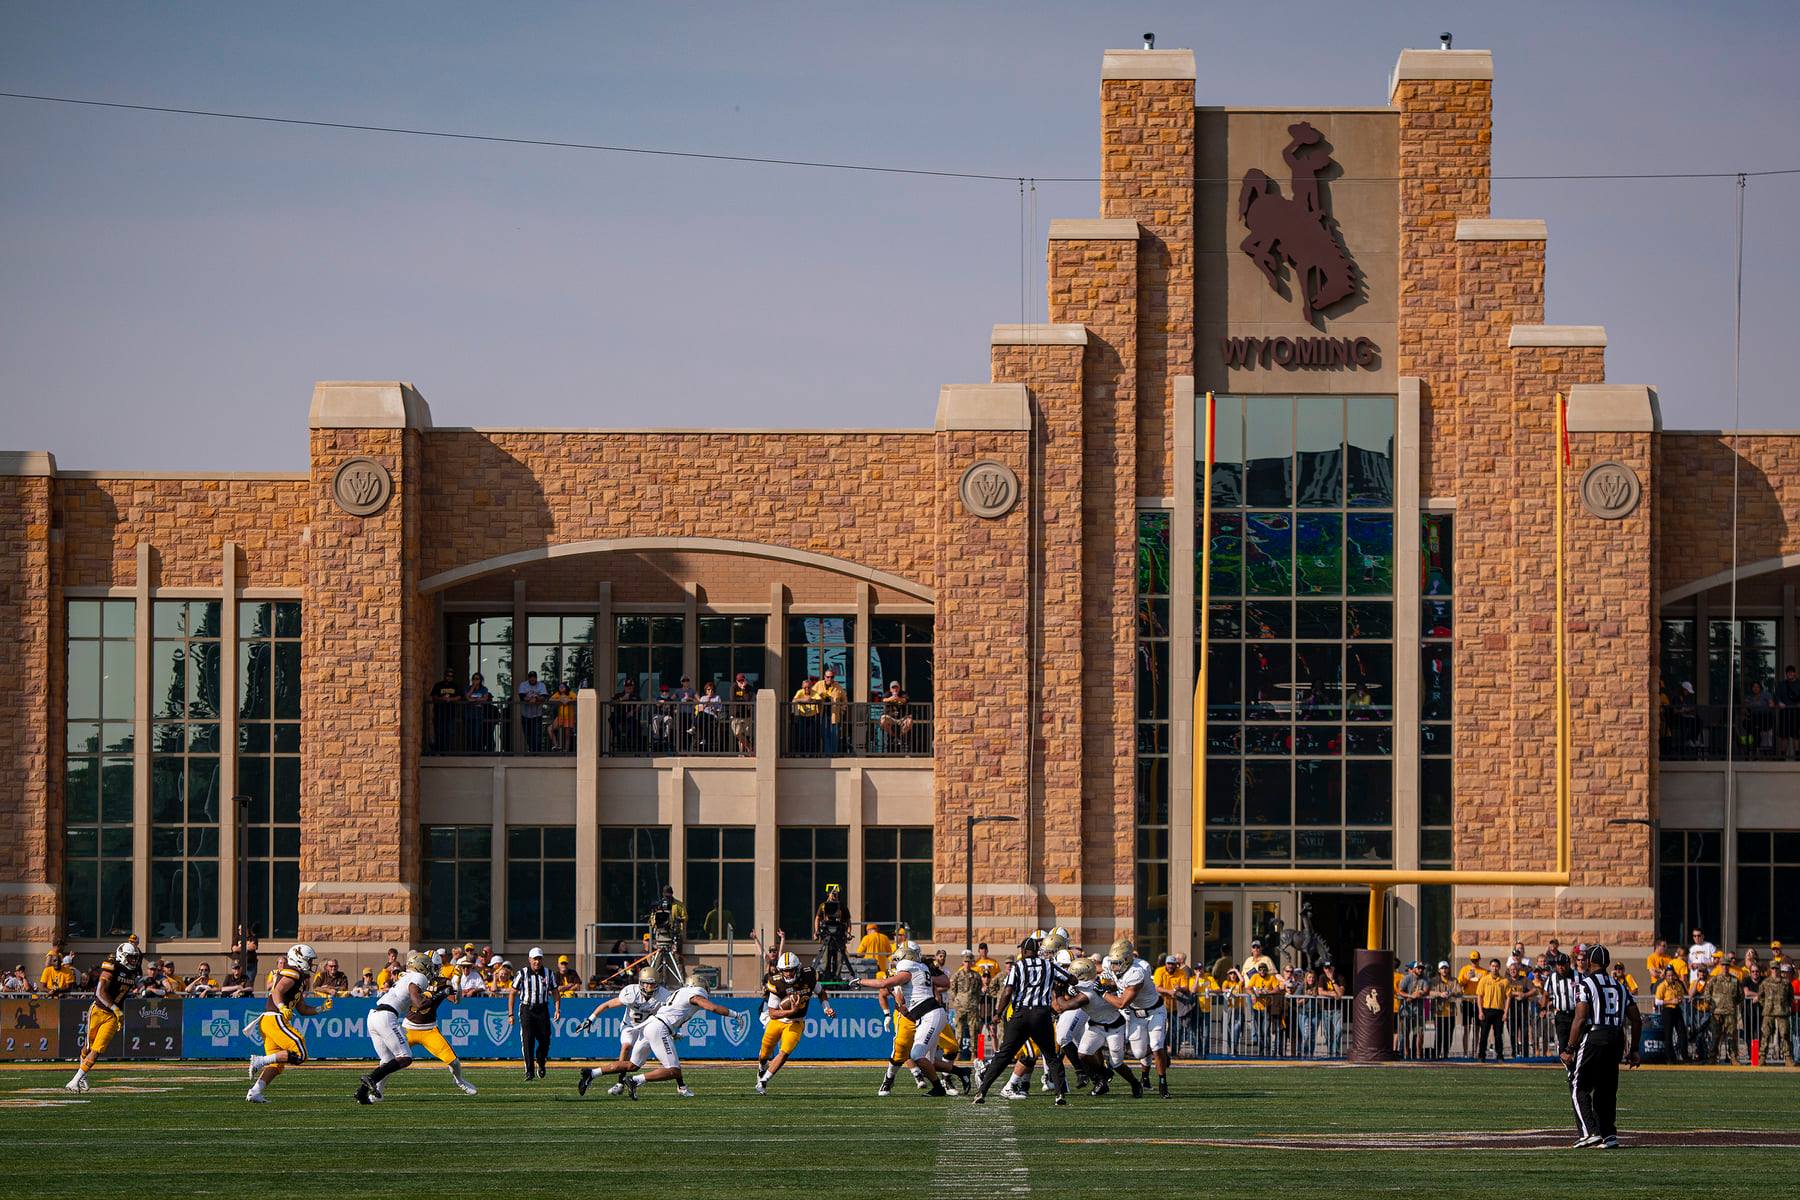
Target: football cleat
x=616 y=1089
x=887 y=1089
x=1611 y=1143
x=76 y=1085
x=255 y=1097
x=362 y=1094
x=468 y=1089
x=585 y=1081
x=937 y=1091
x=762 y=1088
x=630 y=1088
x=1061 y=1100
x=684 y=1090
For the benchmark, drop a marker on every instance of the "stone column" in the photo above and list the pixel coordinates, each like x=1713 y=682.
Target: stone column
x=1183 y=646
x=33 y=660
x=1407 y=507
x=142 y=703
x=983 y=605
x=775 y=644
x=359 y=838
x=229 y=652
x=768 y=750
x=587 y=811
x=1446 y=104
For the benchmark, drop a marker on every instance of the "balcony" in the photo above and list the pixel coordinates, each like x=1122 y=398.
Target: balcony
x=683 y=728
x=486 y=727
x=1712 y=733
x=816 y=729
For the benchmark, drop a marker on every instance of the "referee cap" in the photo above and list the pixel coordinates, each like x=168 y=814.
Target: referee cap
x=536 y=952
x=1598 y=957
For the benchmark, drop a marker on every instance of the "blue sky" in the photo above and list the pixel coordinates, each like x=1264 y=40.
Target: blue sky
x=173 y=286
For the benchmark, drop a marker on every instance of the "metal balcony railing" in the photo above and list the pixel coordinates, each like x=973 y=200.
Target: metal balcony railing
x=698 y=727
x=819 y=729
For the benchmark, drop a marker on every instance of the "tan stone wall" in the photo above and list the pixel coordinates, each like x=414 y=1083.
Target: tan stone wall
x=487 y=494
x=1693 y=502
x=1147 y=174
x=1446 y=154
x=188 y=521
x=359 y=774
x=30 y=795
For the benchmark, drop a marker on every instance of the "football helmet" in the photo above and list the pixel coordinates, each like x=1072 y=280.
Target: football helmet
x=1064 y=958
x=1053 y=943
x=906 y=952
x=301 y=957
x=695 y=979
x=1060 y=931
x=127 y=955
x=646 y=978
x=1083 y=969
x=417 y=961
x=788 y=963
x=1121 y=950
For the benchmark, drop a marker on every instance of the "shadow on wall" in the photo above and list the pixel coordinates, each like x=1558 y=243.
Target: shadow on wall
x=480 y=501
x=1694 y=499
x=88 y=519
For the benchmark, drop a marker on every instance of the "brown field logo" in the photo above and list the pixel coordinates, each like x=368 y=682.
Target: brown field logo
x=1297 y=230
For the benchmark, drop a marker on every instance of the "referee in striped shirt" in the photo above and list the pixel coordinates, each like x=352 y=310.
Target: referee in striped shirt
x=534 y=991
x=1026 y=995
x=1597 y=1044
x=1562 y=992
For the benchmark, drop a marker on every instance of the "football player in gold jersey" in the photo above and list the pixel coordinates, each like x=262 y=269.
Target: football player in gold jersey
x=106 y=1015
x=283 y=1045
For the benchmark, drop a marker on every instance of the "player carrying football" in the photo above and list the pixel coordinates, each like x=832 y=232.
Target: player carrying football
x=789 y=989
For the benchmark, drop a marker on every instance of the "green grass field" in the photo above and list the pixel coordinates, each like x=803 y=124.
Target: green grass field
x=1364 y=1131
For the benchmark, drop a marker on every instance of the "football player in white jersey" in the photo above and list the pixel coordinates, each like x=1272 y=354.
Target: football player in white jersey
x=657 y=1036
x=640 y=1000
x=407 y=991
x=1102 y=1045
x=918 y=999
x=1071 y=1021
x=1146 y=1021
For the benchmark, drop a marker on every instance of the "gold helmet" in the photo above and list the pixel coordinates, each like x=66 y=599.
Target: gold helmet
x=906 y=951
x=696 y=978
x=1053 y=941
x=1083 y=969
x=1122 y=951
x=418 y=961
x=646 y=977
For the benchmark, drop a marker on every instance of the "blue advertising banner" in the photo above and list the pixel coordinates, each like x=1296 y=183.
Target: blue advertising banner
x=477 y=1028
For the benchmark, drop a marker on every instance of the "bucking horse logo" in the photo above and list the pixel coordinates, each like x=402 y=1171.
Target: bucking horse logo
x=1296 y=229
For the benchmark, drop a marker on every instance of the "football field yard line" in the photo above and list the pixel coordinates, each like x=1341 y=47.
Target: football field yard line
x=978 y=1152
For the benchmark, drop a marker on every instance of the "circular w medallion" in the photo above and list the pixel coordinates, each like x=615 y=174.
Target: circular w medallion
x=361 y=486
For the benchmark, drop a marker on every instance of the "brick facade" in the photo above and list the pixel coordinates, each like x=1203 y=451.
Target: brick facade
x=1035 y=612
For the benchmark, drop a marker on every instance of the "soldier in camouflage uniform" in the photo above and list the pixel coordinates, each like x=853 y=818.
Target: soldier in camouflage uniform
x=1777 y=997
x=1724 y=995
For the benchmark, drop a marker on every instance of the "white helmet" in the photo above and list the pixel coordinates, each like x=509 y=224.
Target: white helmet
x=1060 y=931
x=1064 y=958
x=695 y=979
x=126 y=955
x=789 y=961
x=300 y=956
x=906 y=951
x=646 y=977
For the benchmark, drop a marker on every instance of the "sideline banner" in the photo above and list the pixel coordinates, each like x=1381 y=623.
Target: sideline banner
x=477 y=1028
x=152 y=1029
x=28 y=1029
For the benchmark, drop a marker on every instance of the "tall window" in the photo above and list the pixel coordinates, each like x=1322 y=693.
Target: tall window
x=897 y=878
x=184 y=769
x=540 y=883
x=97 y=770
x=1676 y=661
x=1688 y=884
x=459 y=890
x=1768 y=880
x=729 y=645
x=634 y=865
x=480 y=645
x=1437 y=807
x=649 y=650
x=1152 y=806
x=1754 y=662
x=560 y=650
x=900 y=648
x=811 y=857
x=721 y=880
x=1300 y=670
x=815 y=643
x=269 y=762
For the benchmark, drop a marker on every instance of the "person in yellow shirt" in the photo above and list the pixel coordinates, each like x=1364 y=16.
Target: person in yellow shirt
x=58 y=975
x=1659 y=958
x=1469 y=977
x=1670 y=992
x=1625 y=977
x=1492 y=992
x=875 y=945
x=1266 y=994
x=390 y=971
x=836 y=708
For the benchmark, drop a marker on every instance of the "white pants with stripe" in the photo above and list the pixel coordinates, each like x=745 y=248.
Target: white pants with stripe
x=385 y=1032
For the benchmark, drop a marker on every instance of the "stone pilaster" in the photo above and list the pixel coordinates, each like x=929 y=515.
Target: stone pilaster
x=30 y=659
x=366 y=659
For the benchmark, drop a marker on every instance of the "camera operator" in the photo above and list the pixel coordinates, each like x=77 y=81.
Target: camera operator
x=831 y=926
x=668 y=925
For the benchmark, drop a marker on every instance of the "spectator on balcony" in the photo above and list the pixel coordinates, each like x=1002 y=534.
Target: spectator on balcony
x=1787 y=716
x=444 y=697
x=836 y=708
x=562 y=718
x=662 y=720
x=709 y=719
x=627 y=719
x=743 y=704
x=896 y=719
x=1758 y=720
x=806 y=717
x=16 y=981
x=685 y=699
x=532 y=695
x=476 y=719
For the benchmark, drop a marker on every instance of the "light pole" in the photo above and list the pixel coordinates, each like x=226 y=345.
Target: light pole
x=969 y=877
x=1655 y=828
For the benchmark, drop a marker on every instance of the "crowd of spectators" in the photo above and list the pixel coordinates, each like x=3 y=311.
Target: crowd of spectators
x=467 y=719
x=1762 y=722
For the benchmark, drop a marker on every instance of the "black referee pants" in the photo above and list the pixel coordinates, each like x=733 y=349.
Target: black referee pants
x=1037 y=1025
x=1564 y=1022
x=534 y=1036
x=1594 y=1081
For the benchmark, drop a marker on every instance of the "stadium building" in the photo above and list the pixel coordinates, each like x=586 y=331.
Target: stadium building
x=221 y=706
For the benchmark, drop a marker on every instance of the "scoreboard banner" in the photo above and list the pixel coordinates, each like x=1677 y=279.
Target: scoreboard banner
x=151 y=1029
x=28 y=1029
x=477 y=1028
